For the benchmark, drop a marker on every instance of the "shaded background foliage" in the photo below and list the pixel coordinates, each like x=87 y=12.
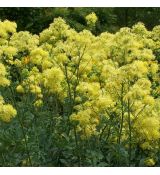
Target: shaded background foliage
x=110 y=19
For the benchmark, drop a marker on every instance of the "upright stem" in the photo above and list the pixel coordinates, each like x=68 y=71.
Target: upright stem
x=22 y=128
x=77 y=147
x=4 y=162
x=70 y=100
x=122 y=115
x=130 y=132
x=69 y=90
x=25 y=140
x=72 y=96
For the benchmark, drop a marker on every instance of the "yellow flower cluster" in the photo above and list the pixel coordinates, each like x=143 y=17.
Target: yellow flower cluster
x=149 y=162
x=20 y=89
x=38 y=56
x=24 y=41
x=91 y=19
x=3 y=80
x=7 y=112
x=87 y=122
x=7 y=28
x=52 y=79
x=56 y=31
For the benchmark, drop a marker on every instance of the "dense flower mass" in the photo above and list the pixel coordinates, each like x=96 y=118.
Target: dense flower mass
x=7 y=112
x=3 y=80
x=104 y=88
x=91 y=19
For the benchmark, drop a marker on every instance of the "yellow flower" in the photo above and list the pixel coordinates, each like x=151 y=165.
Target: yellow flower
x=26 y=60
x=149 y=100
x=7 y=112
x=149 y=162
x=18 y=63
x=104 y=102
x=10 y=51
x=35 y=89
x=52 y=79
x=20 y=89
x=38 y=56
x=90 y=90
x=91 y=19
x=78 y=99
x=61 y=58
x=23 y=41
x=46 y=64
x=3 y=80
x=146 y=146
x=38 y=103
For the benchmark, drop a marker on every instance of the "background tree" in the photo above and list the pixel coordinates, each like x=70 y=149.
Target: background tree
x=109 y=19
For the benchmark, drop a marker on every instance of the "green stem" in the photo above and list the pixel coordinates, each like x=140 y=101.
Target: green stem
x=130 y=132
x=69 y=89
x=122 y=116
x=36 y=135
x=22 y=128
x=4 y=162
x=77 y=147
